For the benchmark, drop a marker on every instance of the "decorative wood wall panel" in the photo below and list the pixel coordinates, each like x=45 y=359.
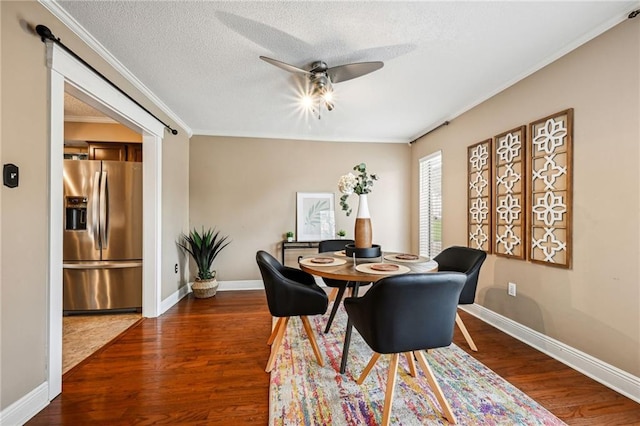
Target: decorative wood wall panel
x=509 y=193
x=479 y=202
x=550 y=183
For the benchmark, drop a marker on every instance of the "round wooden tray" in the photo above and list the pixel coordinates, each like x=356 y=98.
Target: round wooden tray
x=309 y=262
x=394 y=258
x=367 y=269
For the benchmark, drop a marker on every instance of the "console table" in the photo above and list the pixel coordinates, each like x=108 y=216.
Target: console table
x=297 y=245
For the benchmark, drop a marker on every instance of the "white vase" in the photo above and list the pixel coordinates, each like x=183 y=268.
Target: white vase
x=363 y=234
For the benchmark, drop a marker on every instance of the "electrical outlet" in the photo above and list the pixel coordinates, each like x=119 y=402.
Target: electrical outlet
x=176 y=268
x=512 y=289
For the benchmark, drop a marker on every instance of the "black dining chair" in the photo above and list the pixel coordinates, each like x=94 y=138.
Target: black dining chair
x=290 y=293
x=468 y=261
x=405 y=314
x=338 y=287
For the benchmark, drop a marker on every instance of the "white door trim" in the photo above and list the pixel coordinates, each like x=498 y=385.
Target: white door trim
x=67 y=73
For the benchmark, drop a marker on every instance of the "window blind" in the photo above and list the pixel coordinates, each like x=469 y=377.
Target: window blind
x=431 y=205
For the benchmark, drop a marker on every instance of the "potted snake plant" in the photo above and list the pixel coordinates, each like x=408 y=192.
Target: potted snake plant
x=204 y=247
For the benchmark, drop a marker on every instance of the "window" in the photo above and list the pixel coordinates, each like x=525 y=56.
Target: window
x=431 y=205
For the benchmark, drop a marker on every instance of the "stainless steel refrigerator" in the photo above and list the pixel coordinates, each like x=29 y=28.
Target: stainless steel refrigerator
x=102 y=258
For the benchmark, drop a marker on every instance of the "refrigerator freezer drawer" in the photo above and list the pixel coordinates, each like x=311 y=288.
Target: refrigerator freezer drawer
x=90 y=287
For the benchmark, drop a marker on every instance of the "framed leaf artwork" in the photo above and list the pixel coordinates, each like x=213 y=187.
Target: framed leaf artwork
x=315 y=218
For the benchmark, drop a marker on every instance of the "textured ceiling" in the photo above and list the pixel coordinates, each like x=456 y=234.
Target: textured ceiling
x=200 y=58
x=76 y=110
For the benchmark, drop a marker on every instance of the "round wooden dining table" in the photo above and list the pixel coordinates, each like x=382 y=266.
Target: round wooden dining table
x=348 y=269
x=360 y=271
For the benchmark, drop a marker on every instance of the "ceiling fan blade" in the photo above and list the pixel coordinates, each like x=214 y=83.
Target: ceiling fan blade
x=284 y=66
x=348 y=71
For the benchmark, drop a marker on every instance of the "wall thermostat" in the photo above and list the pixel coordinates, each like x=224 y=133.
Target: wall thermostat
x=10 y=175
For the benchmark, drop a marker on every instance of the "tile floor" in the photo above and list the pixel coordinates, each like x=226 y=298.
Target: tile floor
x=82 y=335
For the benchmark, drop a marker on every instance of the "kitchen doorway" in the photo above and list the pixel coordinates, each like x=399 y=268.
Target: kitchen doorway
x=102 y=263
x=83 y=84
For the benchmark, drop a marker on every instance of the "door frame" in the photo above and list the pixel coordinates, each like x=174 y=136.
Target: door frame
x=67 y=74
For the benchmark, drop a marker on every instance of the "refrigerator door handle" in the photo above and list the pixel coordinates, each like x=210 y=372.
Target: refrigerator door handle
x=104 y=211
x=103 y=265
x=95 y=211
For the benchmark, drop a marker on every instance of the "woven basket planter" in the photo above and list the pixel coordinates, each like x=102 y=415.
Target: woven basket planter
x=203 y=289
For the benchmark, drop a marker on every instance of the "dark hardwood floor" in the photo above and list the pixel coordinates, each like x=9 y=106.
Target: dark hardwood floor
x=203 y=363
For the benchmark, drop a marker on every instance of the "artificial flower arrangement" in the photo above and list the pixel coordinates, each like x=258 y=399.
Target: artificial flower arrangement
x=360 y=184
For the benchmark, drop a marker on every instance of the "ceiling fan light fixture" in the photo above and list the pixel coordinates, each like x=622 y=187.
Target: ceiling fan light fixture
x=307 y=101
x=327 y=95
x=321 y=79
x=328 y=99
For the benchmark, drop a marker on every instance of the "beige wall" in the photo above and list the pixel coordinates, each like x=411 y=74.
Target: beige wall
x=107 y=132
x=247 y=188
x=24 y=140
x=595 y=306
x=175 y=212
x=24 y=209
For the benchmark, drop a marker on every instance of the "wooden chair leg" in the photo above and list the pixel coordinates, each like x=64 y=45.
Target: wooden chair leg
x=446 y=409
x=412 y=364
x=332 y=295
x=391 y=384
x=367 y=369
x=312 y=339
x=465 y=333
x=275 y=329
x=277 y=341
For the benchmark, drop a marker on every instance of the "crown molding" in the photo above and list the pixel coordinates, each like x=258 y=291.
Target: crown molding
x=57 y=11
x=564 y=50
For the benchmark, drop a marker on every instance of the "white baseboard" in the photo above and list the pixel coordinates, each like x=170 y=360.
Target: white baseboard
x=167 y=303
x=610 y=376
x=26 y=407
x=183 y=291
x=241 y=285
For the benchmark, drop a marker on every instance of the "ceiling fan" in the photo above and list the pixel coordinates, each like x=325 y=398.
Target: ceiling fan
x=322 y=78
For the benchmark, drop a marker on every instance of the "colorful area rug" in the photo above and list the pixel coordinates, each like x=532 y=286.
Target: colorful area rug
x=303 y=393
